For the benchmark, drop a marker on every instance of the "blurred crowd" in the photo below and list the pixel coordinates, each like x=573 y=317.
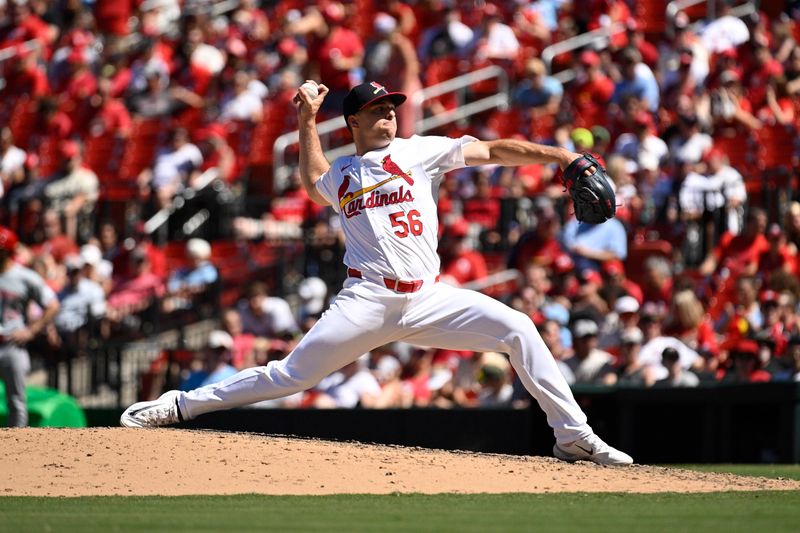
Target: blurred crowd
x=113 y=109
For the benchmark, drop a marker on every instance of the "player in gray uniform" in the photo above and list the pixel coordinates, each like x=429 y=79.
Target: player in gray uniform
x=385 y=195
x=18 y=287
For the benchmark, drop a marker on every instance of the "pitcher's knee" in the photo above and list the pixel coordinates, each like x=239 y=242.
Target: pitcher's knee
x=290 y=378
x=521 y=325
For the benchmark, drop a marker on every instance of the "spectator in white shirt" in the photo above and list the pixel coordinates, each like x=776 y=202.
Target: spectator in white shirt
x=352 y=386
x=266 y=316
x=641 y=140
x=175 y=167
x=496 y=40
x=245 y=102
x=12 y=160
x=731 y=183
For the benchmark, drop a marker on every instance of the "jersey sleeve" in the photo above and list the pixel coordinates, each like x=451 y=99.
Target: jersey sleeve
x=440 y=155
x=326 y=185
x=38 y=291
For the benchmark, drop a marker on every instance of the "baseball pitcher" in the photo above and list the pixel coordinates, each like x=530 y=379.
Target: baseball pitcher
x=385 y=196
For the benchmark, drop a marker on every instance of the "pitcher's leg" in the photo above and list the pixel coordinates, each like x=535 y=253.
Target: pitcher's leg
x=352 y=326
x=459 y=319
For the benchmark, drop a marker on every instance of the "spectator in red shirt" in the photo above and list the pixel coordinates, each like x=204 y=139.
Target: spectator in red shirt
x=136 y=292
x=778 y=256
x=335 y=51
x=483 y=208
x=81 y=86
x=731 y=110
x=779 y=106
x=690 y=324
x=745 y=307
x=26 y=76
x=110 y=117
x=243 y=350
x=460 y=263
x=758 y=79
x=391 y=58
x=614 y=273
x=740 y=253
x=591 y=93
x=539 y=246
x=112 y=16
x=637 y=39
x=27 y=25
x=745 y=364
x=57 y=243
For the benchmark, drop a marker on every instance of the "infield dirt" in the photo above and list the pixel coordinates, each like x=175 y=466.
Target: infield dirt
x=171 y=462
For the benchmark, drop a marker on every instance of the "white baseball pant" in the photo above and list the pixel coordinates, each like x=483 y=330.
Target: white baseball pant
x=366 y=315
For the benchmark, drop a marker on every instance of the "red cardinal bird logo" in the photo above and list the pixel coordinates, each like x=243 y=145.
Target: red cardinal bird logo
x=392 y=168
x=343 y=187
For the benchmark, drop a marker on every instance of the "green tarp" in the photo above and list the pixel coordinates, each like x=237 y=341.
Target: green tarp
x=46 y=407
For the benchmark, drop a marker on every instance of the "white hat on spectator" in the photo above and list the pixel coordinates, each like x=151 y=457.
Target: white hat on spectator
x=91 y=254
x=584 y=328
x=632 y=336
x=439 y=378
x=312 y=292
x=220 y=339
x=626 y=304
x=648 y=161
x=198 y=248
x=74 y=262
x=384 y=23
x=387 y=366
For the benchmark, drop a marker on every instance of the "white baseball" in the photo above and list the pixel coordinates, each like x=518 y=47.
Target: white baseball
x=311 y=89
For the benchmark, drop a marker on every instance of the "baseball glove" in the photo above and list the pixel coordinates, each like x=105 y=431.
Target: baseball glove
x=592 y=194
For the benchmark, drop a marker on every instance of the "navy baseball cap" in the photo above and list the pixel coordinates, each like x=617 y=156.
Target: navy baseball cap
x=362 y=95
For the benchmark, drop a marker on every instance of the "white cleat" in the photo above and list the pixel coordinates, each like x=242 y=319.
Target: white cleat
x=160 y=412
x=592 y=448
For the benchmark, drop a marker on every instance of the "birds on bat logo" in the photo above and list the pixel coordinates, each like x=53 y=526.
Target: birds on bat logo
x=353 y=202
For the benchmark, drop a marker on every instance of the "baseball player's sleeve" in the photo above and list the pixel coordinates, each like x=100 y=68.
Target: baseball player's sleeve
x=38 y=291
x=326 y=185
x=440 y=155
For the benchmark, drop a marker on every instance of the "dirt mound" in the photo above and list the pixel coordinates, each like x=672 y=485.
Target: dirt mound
x=104 y=461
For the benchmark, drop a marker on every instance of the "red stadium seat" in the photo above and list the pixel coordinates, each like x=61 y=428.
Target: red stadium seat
x=639 y=252
x=738 y=149
x=146 y=136
x=776 y=147
x=101 y=155
x=23 y=120
x=652 y=16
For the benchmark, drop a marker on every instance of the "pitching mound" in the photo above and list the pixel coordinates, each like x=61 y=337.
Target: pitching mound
x=106 y=461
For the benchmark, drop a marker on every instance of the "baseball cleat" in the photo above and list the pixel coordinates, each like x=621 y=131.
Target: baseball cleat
x=591 y=448
x=160 y=412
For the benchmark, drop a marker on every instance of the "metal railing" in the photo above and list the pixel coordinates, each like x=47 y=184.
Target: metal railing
x=162 y=216
x=492 y=280
x=676 y=6
x=11 y=51
x=595 y=37
x=500 y=99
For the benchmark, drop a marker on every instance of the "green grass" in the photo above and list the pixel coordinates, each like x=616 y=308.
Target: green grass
x=771 y=471
x=731 y=512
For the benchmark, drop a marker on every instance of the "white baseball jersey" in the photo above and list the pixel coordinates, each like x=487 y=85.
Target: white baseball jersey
x=386 y=200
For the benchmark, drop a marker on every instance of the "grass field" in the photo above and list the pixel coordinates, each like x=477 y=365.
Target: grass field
x=773 y=512
x=773 y=471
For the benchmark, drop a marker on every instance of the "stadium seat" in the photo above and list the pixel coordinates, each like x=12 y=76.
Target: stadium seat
x=146 y=136
x=639 y=252
x=739 y=150
x=652 y=16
